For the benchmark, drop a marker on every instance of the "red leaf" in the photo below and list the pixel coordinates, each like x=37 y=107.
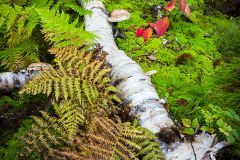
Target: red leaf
x=161 y=26
x=183 y=5
x=187 y=11
x=170 y=6
x=139 y=32
x=147 y=34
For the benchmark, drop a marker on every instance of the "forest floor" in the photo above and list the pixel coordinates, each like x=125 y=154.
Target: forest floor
x=197 y=70
x=197 y=64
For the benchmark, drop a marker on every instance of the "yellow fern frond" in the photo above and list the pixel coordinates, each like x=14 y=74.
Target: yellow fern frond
x=101 y=74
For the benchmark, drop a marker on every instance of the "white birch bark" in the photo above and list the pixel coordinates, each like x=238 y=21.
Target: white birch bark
x=137 y=90
x=12 y=80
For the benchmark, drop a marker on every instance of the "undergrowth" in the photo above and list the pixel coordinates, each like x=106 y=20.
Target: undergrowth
x=82 y=120
x=10 y=142
x=198 y=67
x=197 y=71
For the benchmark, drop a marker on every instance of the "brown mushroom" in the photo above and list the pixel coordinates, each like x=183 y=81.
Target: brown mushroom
x=118 y=15
x=38 y=66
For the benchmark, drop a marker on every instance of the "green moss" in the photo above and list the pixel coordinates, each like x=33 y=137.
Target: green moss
x=11 y=143
x=14 y=109
x=210 y=45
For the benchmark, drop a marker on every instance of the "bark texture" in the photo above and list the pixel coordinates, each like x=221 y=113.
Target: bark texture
x=12 y=80
x=137 y=90
x=134 y=85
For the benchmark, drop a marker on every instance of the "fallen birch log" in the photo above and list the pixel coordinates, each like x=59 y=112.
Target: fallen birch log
x=12 y=80
x=137 y=90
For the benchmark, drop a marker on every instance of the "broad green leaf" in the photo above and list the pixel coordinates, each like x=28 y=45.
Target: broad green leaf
x=224 y=131
x=237 y=117
x=186 y=122
x=188 y=131
x=227 y=113
x=195 y=123
x=204 y=128
x=235 y=133
x=220 y=122
x=230 y=139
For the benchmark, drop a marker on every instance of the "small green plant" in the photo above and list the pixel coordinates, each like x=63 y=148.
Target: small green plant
x=190 y=126
x=224 y=121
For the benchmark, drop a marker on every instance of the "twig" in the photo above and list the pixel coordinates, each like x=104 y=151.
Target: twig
x=179 y=44
x=194 y=151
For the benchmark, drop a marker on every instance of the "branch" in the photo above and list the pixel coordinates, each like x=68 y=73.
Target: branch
x=137 y=90
x=14 y=80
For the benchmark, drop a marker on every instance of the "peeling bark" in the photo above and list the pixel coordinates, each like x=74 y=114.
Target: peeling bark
x=137 y=90
x=13 y=80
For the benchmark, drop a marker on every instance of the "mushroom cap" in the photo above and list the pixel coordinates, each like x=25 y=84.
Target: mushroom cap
x=38 y=66
x=118 y=15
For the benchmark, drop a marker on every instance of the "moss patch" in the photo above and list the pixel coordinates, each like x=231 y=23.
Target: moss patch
x=11 y=143
x=198 y=62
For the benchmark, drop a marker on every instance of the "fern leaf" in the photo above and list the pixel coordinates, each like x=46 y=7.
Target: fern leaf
x=78 y=89
x=60 y=32
x=87 y=91
x=49 y=87
x=70 y=84
x=57 y=88
x=20 y=56
x=79 y=10
x=100 y=74
x=33 y=20
x=149 y=146
x=64 y=87
x=11 y=17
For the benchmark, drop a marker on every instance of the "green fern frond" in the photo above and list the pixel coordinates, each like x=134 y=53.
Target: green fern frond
x=19 y=23
x=40 y=3
x=114 y=97
x=68 y=54
x=60 y=81
x=60 y=32
x=10 y=15
x=101 y=74
x=20 y=56
x=150 y=148
x=86 y=82
x=71 y=116
x=32 y=21
x=79 y=10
